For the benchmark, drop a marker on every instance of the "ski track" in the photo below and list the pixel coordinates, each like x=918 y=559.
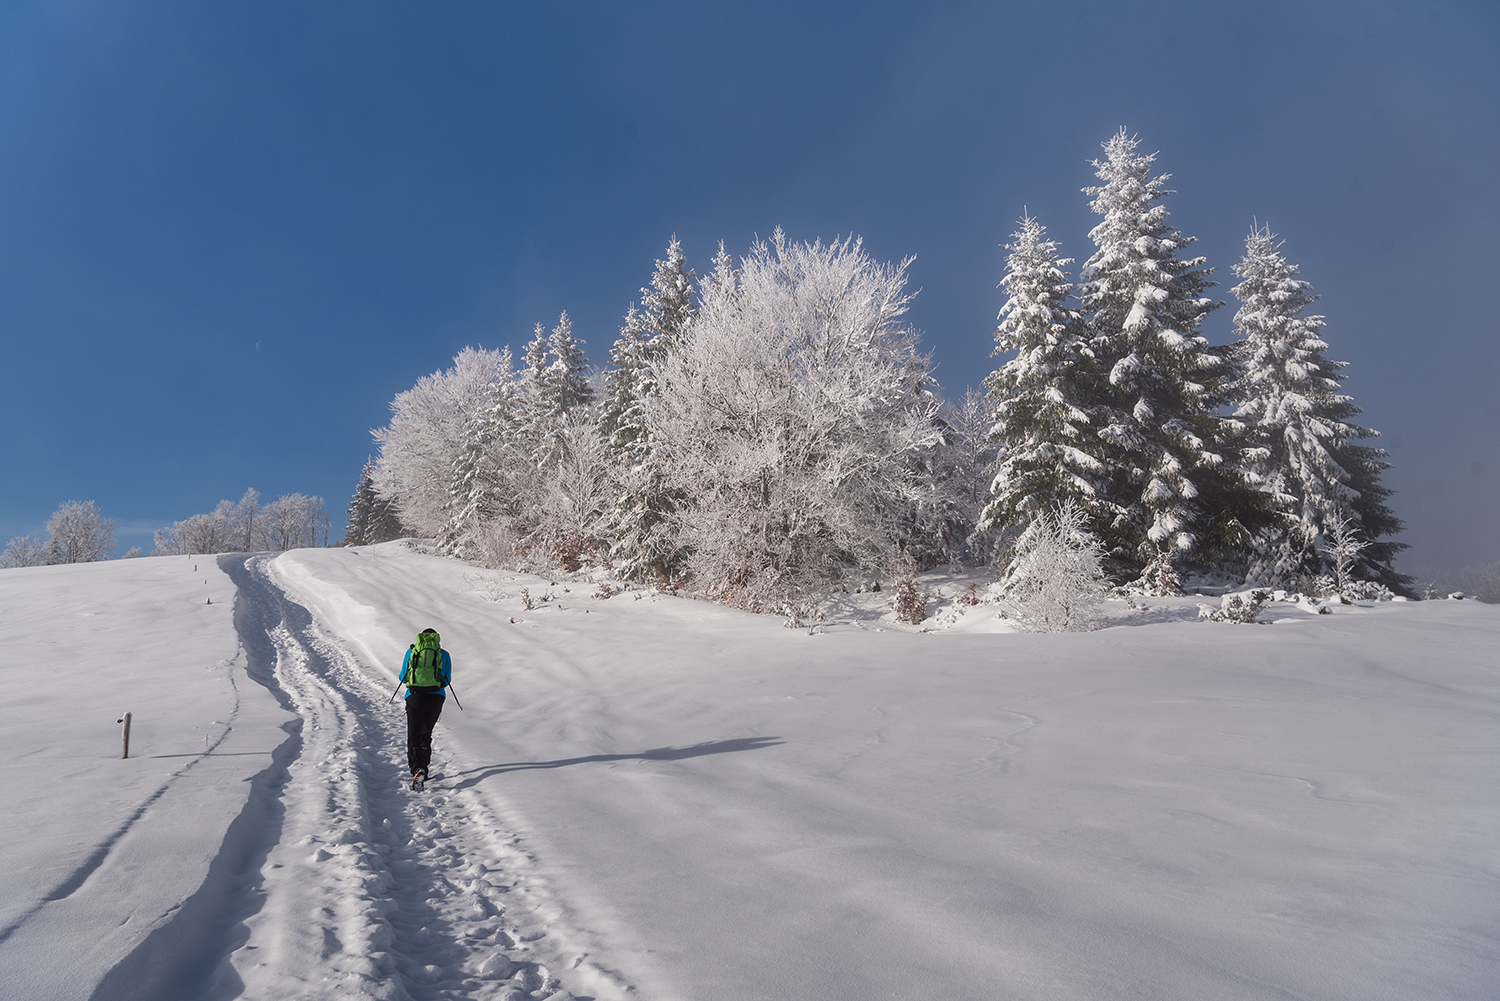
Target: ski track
x=349 y=884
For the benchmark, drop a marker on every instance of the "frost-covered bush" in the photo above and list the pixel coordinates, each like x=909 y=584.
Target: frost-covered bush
x=1368 y=590
x=1055 y=580
x=1240 y=607
x=910 y=602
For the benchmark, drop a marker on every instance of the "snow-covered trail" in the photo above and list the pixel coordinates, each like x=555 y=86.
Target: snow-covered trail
x=362 y=888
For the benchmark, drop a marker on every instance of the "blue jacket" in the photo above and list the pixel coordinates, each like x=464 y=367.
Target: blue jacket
x=447 y=672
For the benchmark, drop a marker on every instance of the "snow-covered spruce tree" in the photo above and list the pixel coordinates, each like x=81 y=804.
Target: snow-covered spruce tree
x=1054 y=581
x=568 y=375
x=1305 y=457
x=420 y=446
x=620 y=412
x=787 y=417
x=642 y=547
x=78 y=533
x=1041 y=423
x=357 y=515
x=1172 y=463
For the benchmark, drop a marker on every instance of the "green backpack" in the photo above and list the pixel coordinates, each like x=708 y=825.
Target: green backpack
x=424 y=671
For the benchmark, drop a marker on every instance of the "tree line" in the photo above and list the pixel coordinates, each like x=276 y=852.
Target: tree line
x=773 y=429
x=78 y=532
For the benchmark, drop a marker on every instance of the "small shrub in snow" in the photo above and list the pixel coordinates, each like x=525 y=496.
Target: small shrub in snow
x=1313 y=586
x=1239 y=608
x=970 y=595
x=1159 y=580
x=910 y=604
x=1368 y=590
x=1055 y=582
x=1343 y=546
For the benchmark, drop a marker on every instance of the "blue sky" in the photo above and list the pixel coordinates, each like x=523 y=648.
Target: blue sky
x=231 y=232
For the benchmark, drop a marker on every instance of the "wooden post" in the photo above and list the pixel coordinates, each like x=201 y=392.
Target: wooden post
x=125 y=737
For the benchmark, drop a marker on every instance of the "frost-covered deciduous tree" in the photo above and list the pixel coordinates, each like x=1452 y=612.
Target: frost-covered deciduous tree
x=1305 y=456
x=955 y=478
x=788 y=417
x=78 y=533
x=1172 y=461
x=293 y=521
x=290 y=522
x=1055 y=579
x=577 y=494
x=421 y=446
x=487 y=479
x=1049 y=454
x=23 y=551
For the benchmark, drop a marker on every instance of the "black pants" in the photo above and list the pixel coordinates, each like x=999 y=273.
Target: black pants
x=422 y=712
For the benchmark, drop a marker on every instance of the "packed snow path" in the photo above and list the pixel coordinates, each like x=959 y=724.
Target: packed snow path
x=369 y=890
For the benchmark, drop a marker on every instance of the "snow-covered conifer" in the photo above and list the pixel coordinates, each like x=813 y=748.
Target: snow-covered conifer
x=641 y=547
x=567 y=380
x=1172 y=461
x=357 y=515
x=1040 y=419
x=619 y=412
x=1305 y=457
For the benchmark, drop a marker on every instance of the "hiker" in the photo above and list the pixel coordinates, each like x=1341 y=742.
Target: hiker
x=426 y=671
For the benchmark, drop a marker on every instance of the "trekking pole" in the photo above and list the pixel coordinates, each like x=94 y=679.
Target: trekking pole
x=393 y=694
x=455 y=697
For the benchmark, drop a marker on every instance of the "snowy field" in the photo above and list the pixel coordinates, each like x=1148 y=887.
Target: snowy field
x=651 y=797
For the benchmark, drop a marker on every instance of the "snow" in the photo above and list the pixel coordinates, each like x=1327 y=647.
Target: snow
x=649 y=796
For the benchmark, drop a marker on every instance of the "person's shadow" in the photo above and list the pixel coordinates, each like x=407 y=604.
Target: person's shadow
x=477 y=775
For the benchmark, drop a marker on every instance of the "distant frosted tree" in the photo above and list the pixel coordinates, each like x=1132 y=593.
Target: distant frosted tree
x=787 y=417
x=201 y=533
x=24 y=551
x=78 y=533
x=1041 y=423
x=1172 y=461
x=1305 y=457
x=1055 y=579
x=294 y=521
